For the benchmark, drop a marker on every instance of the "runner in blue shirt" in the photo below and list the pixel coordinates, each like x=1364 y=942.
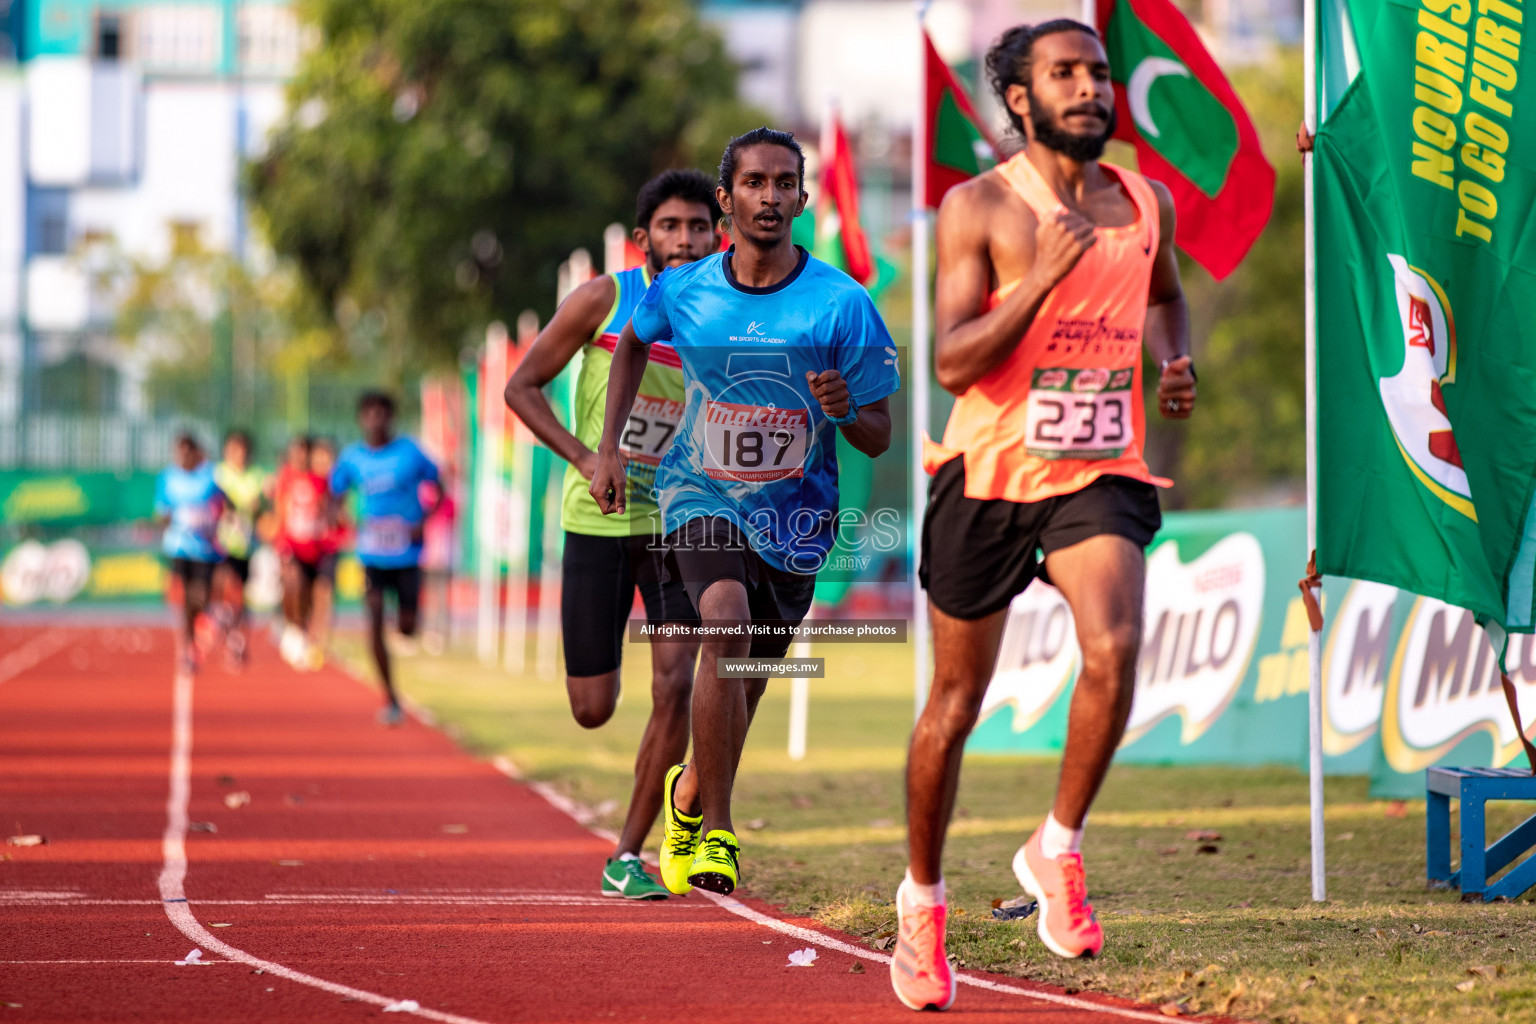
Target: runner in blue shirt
x=188 y=503
x=388 y=472
x=779 y=352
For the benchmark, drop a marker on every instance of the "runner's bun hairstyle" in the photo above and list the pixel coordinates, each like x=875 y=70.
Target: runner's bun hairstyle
x=688 y=185
x=757 y=137
x=1010 y=61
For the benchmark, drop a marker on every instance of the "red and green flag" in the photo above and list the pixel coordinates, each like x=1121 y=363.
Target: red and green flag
x=1189 y=129
x=840 y=238
x=959 y=145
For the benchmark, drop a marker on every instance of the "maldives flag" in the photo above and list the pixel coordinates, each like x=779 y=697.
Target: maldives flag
x=959 y=145
x=840 y=238
x=1189 y=128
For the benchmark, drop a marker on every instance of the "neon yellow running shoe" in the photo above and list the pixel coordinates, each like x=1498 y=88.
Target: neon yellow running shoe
x=717 y=865
x=679 y=837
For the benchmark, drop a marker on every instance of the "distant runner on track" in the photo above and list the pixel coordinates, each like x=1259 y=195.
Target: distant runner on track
x=1053 y=271
x=300 y=500
x=779 y=351
x=608 y=557
x=243 y=485
x=188 y=504
x=388 y=472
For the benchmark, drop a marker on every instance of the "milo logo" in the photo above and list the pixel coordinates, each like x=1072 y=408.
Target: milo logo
x=1051 y=379
x=1091 y=380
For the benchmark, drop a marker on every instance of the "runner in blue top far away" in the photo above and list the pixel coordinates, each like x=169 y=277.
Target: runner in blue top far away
x=388 y=472
x=779 y=352
x=188 y=504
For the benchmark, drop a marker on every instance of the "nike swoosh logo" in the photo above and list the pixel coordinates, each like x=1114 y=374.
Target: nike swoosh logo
x=1146 y=250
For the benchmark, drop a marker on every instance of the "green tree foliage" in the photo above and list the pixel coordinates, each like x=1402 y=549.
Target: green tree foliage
x=1247 y=439
x=440 y=158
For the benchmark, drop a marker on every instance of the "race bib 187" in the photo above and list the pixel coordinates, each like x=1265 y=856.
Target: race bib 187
x=652 y=423
x=754 y=443
x=1079 y=414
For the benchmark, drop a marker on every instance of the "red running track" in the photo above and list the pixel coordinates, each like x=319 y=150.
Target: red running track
x=372 y=871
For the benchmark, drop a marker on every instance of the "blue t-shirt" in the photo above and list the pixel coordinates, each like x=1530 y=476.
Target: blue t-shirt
x=754 y=446
x=388 y=479
x=193 y=502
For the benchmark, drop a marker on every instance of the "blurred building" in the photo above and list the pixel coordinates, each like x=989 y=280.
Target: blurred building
x=122 y=124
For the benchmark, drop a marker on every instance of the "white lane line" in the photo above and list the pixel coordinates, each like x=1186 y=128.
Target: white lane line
x=381 y=901
x=109 y=961
x=173 y=876
x=582 y=816
x=33 y=651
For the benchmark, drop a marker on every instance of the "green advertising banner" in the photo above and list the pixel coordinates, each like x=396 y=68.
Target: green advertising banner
x=75 y=499
x=1407 y=681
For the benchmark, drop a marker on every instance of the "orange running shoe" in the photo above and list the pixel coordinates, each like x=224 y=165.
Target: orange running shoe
x=1067 y=924
x=920 y=974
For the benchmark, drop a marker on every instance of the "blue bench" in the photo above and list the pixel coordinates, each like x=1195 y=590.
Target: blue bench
x=1474 y=787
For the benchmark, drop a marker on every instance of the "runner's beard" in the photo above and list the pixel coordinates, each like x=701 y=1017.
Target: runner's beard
x=1082 y=148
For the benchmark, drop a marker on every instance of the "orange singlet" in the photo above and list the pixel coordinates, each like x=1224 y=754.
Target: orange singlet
x=1065 y=407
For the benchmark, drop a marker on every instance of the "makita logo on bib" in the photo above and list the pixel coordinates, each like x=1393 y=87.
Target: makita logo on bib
x=729 y=414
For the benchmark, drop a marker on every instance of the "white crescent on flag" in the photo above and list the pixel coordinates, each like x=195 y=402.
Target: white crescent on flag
x=1140 y=85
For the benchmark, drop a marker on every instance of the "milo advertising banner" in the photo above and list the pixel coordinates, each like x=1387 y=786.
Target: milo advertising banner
x=1408 y=681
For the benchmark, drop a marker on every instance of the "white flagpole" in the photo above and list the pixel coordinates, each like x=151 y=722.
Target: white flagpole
x=919 y=363
x=1314 y=640
x=1090 y=14
x=492 y=420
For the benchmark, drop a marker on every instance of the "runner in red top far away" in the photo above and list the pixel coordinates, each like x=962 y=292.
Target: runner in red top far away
x=299 y=498
x=1053 y=271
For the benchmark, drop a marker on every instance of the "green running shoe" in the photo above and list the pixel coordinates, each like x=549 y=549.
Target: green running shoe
x=679 y=837
x=717 y=865
x=628 y=879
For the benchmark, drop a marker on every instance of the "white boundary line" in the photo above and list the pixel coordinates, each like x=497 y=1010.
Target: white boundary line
x=173 y=876
x=582 y=816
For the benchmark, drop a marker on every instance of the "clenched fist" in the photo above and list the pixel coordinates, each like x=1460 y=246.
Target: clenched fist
x=1060 y=242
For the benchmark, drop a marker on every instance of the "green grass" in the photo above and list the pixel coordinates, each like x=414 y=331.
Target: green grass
x=1233 y=930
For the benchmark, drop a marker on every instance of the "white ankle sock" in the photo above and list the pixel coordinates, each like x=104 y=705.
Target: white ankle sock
x=628 y=856
x=1056 y=839
x=925 y=895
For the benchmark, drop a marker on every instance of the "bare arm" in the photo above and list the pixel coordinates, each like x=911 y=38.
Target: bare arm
x=572 y=326
x=629 y=359
x=970 y=341
x=870 y=433
x=1166 y=329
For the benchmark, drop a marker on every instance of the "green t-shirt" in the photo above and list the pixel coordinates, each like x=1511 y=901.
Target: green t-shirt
x=243 y=488
x=657 y=411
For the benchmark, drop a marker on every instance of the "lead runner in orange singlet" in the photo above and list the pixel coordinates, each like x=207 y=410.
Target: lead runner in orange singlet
x=1054 y=271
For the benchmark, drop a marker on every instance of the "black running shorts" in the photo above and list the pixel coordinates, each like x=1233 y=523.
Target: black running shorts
x=709 y=549
x=599 y=576
x=241 y=567
x=405 y=581
x=190 y=570
x=978 y=553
